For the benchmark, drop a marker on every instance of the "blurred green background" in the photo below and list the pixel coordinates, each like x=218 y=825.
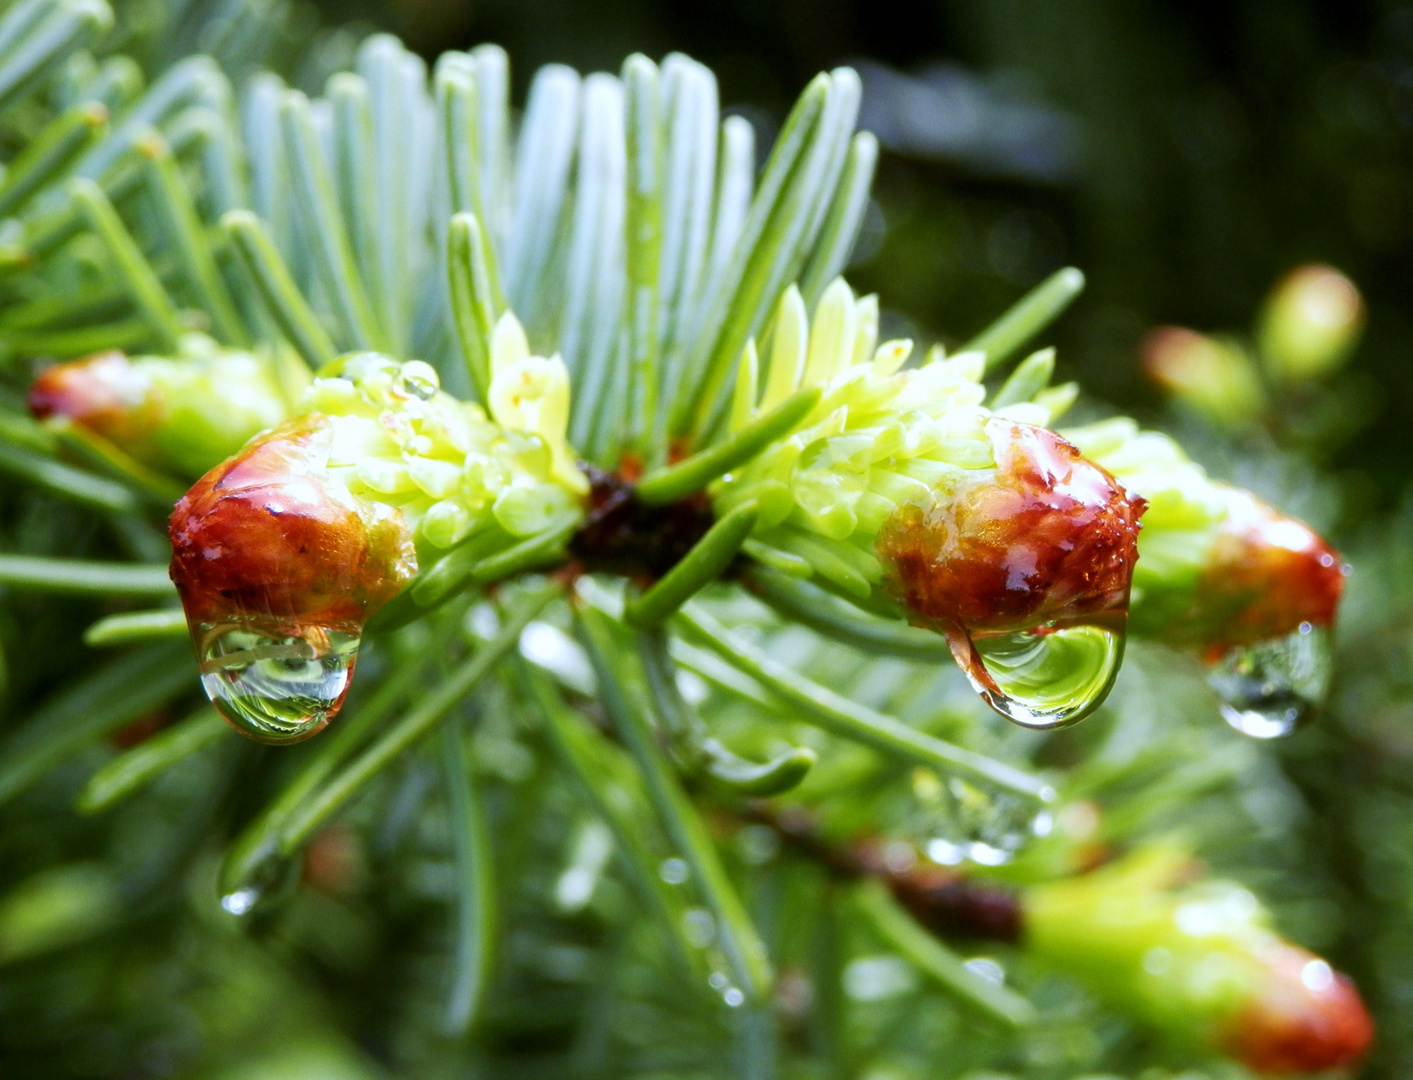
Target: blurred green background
x=1185 y=155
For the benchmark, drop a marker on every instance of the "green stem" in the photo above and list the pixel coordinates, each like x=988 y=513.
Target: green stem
x=695 y=750
x=1034 y=311
x=846 y=214
x=128 y=335
x=429 y=710
x=82 y=487
x=837 y=714
x=616 y=796
x=323 y=227
x=460 y=93
x=533 y=553
x=50 y=154
x=627 y=708
x=73 y=576
x=284 y=303
x=474 y=953
x=838 y=619
x=131 y=771
x=643 y=232
x=694 y=473
x=260 y=840
x=734 y=303
x=134 y=626
x=182 y=225
x=1030 y=376
x=939 y=963
x=133 y=270
x=473 y=303
x=68 y=26
x=115 y=695
x=93 y=449
x=703 y=564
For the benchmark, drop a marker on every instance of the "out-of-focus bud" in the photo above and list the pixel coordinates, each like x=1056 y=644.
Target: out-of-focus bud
x=1198 y=960
x=1311 y=323
x=179 y=415
x=1212 y=375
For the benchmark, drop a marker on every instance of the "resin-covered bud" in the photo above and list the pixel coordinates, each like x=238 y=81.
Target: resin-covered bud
x=282 y=553
x=1198 y=960
x=1046 y=538
x=180 y=414
x=904 y=492
x=278 y=566
x=1305 y=1017
x=1026 y=569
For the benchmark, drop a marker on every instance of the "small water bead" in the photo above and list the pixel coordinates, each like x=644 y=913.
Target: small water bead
x=1270 y=689
x=275 y=684
x=1045 y=678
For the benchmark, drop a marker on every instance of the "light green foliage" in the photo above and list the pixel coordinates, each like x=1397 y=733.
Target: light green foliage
x=399 y=440
x=880 y=436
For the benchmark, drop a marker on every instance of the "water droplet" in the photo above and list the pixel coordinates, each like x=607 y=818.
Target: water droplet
x=674 y=871
x=1269 y=689
x=240 y=901
x=271 y=882
x=733 y=997
x=1045 y=678
x=276 y=683
x=988 y=969
x=983 y=827
x=699 y=927
x=420 y=380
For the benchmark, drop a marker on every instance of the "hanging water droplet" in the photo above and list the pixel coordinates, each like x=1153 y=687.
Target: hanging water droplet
x=987 y=828
x=276 y=683
x=1269 y=689
x=240 y=901
x=272 y=881
x=1046 y=678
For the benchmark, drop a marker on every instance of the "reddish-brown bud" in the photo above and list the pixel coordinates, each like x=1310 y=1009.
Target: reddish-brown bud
x=1266 y=575
x=278 y=566
x=104 y=393
x=1048 y=538
x=1307 y=1018
x=267 y=534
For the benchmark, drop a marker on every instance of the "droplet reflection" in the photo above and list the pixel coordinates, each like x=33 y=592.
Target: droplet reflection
x=276 y=683
x=1045 y=678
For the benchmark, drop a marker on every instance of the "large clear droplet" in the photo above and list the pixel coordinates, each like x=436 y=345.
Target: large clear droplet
x=1048 y=677
x=276 y=683
x=1271 y=688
